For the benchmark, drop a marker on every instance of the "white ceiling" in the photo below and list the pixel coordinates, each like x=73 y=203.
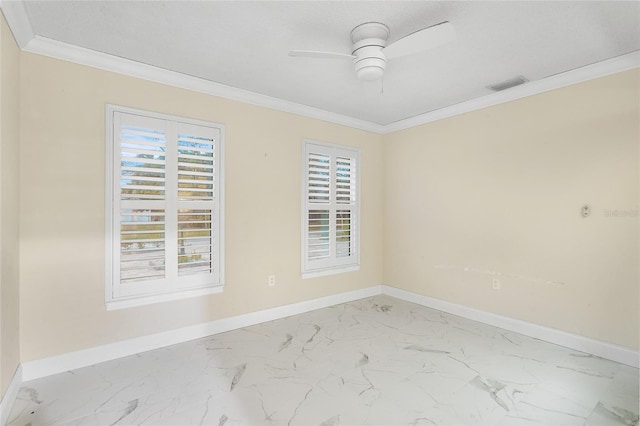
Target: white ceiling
x=245 y=45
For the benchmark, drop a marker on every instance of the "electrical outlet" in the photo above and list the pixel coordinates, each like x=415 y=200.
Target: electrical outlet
x=272 y=280
x=495 y=284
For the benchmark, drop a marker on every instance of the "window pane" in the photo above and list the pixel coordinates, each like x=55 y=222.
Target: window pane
x=343 y=233
x=318 y=237
x=142 y=248
x=194 y=242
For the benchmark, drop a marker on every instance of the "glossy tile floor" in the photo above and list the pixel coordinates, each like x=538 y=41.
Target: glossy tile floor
x=375 y=361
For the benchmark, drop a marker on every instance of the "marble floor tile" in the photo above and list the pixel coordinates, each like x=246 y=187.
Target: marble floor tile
x=376 y=361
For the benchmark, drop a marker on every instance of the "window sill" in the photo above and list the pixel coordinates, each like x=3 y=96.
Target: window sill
x=330 y=271
x=132 y=302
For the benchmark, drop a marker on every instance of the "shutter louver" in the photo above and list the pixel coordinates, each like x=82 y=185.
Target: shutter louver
x=345 y=181
x=194 y=242
x=196 y=168
x=142 y=236
x=319 y=178
x=142 y=164
x=345 y=197
x=318 y=235
x=343 y=233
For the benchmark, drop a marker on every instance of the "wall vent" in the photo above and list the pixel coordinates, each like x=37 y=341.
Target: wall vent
x=508 y=84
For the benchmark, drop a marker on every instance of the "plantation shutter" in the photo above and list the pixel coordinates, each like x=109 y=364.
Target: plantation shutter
x=346 y=200
x=319 y=199
x=330 y=207
x=198 y=222
x=141 y=144
x=165 y=212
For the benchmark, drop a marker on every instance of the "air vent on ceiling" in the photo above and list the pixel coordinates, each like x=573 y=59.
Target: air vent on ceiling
x=508 y=84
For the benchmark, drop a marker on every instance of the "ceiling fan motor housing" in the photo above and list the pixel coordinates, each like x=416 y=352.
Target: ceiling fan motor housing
x=368 y=41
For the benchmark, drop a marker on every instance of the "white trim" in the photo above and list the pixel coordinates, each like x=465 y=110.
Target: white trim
x=171 y=287
x=16 y=16
x=109 y=200
x=10 y=395
x=60 y=363
x=80 y=55
x=113 y=305
x=578 y=75
x=20 y=26
x=330 y=271
x=602 y=349
x=55 y=49
x=82 y=358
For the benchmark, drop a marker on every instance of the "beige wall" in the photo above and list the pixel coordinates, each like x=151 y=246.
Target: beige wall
x=500 y=190
x=9 y=206
x=62 y=207
x=493 y=191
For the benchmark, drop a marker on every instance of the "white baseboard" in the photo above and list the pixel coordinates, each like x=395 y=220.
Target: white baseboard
x=10 y=396
x=82 y=358
x=60 y=363
x=599 y=348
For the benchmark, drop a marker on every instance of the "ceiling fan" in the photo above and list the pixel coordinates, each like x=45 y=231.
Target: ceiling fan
x=370 y=52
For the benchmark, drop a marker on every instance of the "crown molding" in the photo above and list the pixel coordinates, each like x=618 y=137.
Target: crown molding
x=557 y=81
x=18 y=21
x=83 y=56
x=16 y=16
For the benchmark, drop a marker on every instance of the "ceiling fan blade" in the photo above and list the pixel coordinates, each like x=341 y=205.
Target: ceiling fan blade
x=322 y=55
x=424 y=39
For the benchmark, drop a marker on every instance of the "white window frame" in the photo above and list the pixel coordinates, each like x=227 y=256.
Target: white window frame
x=333 y=265
x=172 y=287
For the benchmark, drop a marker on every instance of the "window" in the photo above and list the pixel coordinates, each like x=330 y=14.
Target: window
x=330 y=209
x=164 y=198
